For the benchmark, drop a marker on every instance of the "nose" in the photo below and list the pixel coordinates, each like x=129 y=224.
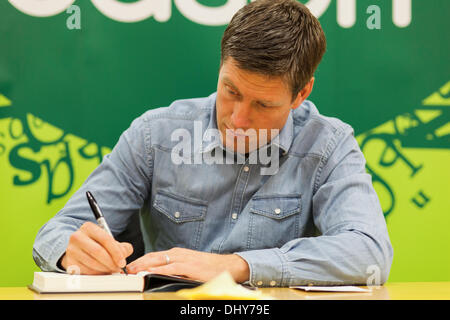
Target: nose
x=240 y=119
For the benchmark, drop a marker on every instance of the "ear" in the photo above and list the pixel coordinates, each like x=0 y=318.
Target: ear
x=303 y=94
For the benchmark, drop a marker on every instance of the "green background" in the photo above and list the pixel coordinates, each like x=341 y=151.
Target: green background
x=70 y=93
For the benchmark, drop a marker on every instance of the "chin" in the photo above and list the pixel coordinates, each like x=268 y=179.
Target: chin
x=242 y=148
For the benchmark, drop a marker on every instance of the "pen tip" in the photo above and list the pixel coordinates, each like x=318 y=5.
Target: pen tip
x=89 y=195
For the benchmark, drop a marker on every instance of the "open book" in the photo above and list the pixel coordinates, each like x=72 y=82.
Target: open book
x=53 y=282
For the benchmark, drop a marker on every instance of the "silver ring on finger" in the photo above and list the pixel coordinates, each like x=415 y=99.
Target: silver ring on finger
x=167 y=258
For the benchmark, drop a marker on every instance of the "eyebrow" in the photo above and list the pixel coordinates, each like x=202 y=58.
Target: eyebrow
x=264 y=102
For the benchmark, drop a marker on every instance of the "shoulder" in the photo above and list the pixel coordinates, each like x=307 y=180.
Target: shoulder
x=185 y=114
x=182 y=109
x=317 y=134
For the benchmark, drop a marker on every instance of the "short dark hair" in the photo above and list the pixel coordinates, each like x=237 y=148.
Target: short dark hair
x=275 y=38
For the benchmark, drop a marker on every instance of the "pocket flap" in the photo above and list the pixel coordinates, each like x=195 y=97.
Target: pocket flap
x=276 y=206
x=178 y=208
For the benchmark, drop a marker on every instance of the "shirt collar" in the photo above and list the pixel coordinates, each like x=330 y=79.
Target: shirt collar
x=207 y=144
x=283 y=142
x=286 y=135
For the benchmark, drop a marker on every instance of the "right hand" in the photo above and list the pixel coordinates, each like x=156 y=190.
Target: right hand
x=91 y=250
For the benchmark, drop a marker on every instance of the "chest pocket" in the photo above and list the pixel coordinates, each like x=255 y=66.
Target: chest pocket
x=179 y=219
x=274 y=220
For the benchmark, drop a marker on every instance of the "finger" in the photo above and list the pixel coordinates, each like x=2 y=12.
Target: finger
x=127 y=249
x=170 y=269
x=93 y=249
x=152 y=259
x=77 y=267
x=86 y=270
x=93 y=264
x=98 y=253
x=106 y=241
x=142 y=263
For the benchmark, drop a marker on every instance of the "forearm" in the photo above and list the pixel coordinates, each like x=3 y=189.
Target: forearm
x=52 y=239
x=120 y=184
x=240 y=269
x=349 y=257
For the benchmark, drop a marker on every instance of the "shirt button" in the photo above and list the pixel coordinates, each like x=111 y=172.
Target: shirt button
x=234 y=216
x=273 y=283
x=246 y=169
x=177 y=214
x=259 y=283
x=277 y=211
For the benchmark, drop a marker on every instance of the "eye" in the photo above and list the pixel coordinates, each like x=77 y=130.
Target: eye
x=262 y=105
x=232 y=92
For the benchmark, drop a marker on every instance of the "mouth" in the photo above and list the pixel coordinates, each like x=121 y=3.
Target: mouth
x=236 y=132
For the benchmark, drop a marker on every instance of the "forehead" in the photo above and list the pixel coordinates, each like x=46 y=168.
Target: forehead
x=243 y=80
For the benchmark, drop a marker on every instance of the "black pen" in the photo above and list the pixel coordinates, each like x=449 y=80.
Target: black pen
x=99 y=216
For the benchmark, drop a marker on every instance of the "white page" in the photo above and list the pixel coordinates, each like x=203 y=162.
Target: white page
x=63 y=282
x=332 y=288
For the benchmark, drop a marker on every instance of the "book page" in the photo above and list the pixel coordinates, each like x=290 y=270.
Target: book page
x=62 y=282
x=331 y=288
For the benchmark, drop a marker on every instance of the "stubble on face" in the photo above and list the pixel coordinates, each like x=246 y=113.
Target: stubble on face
x=249 y=107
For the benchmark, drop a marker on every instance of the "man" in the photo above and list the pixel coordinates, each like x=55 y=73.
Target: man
x=315 y=218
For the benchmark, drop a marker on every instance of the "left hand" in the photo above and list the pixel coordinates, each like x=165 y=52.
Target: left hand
x=191 y=264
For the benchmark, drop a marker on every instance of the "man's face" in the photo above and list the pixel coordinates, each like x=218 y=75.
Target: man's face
x=246 y=101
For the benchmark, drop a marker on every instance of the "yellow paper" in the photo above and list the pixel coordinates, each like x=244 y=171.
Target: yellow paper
x=222 y=287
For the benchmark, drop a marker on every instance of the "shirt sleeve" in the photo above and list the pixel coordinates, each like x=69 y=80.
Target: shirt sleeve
x=120 y=185
x=353 y=246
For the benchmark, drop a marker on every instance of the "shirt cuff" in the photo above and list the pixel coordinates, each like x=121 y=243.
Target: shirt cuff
x=47 y=257
x=268 y=268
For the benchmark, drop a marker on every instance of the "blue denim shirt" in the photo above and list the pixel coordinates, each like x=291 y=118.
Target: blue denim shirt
x=317 y=220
